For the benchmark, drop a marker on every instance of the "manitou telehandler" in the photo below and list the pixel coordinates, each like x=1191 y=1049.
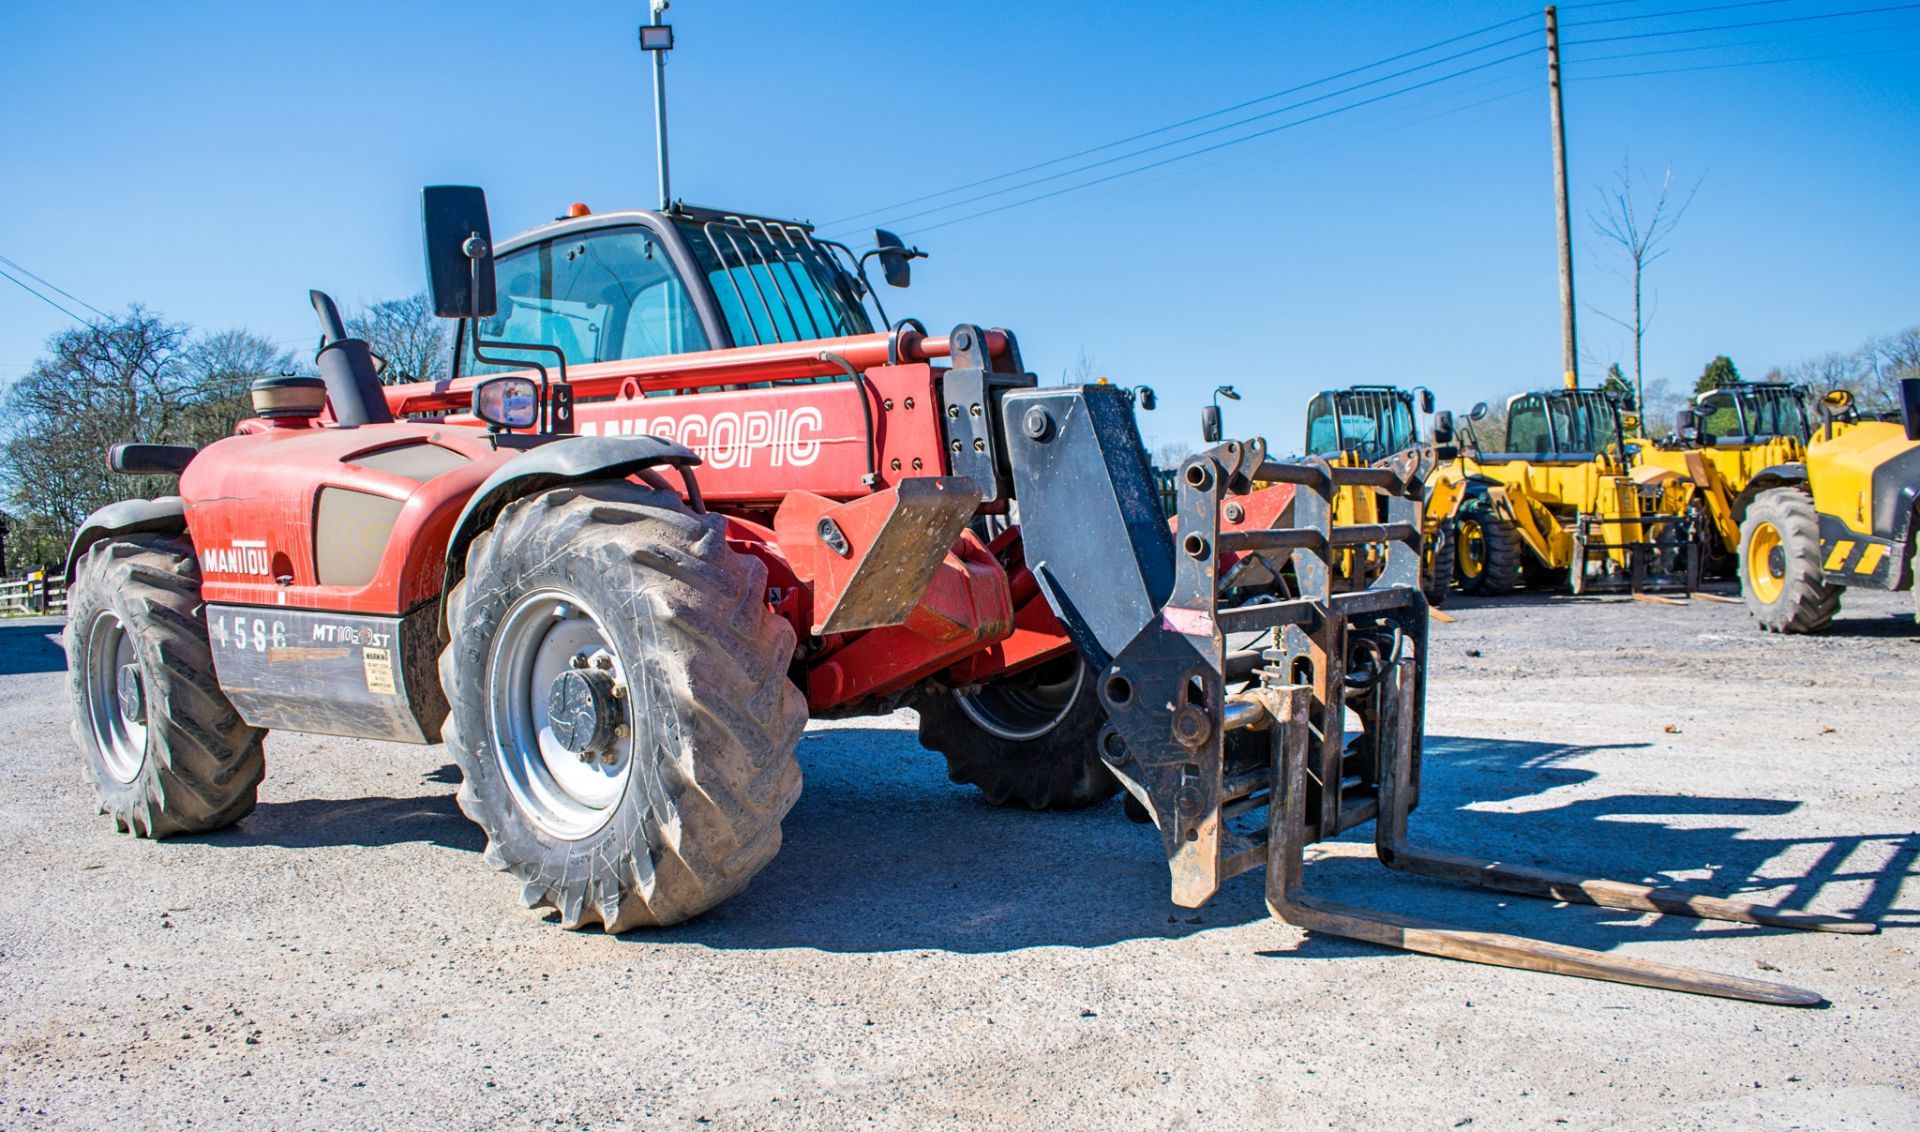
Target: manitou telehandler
x=1567 y=502
x=1843 y=516
x=679 y=494
x=1375 y=425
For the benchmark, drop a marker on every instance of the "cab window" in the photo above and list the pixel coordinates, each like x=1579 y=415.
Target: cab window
x=1527 y=430
x=1718 y=414
x=1321 y=434
x=600 y=296
x=1777 y=413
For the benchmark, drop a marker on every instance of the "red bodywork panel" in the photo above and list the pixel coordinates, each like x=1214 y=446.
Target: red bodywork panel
x=252 y=499
x=251 y=503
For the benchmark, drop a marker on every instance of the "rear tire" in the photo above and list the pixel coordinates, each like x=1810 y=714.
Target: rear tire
x=164 y=750
x=660 y=793
x=1437 y=579
x=1781 y=579
x=1025 y=740
x=1489 y=549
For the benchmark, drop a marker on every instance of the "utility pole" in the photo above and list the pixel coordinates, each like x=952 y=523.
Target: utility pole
x=1569 y=349
x=656 y=39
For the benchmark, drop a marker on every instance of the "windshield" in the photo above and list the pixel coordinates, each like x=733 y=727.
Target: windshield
x=1373 y=423
x=600 y=296
x=1775 y=412
x=774 y=283
x=1583 y=421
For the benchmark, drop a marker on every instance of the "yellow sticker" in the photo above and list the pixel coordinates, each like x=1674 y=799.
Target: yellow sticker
x=379 y=666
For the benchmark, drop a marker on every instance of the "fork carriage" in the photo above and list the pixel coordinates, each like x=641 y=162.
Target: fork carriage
x=1241 y=778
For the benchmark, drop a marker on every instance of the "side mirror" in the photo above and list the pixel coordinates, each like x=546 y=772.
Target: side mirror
x=1478 y=412
x=507 y=402
x=1839 y=400
x=459 y=244
x=1910 y=406
x=1445 y=452
x=1443 y=427
x=1149 y=400
x=1426 y=400
x=896 y=262
x=1210 y=424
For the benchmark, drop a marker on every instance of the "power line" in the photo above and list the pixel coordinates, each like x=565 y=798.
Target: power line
x=1222 y=128
x=54 y=286
x=1748 y=24
x=43 y=298
x=1750 y=63
x=1229 y=142
x=1744 y=43
x=1678 y=12
x=1196 y=118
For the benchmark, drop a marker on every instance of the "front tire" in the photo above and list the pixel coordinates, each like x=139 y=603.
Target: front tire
x=1489 y=550
x=164 y=750
x=1781 y=579
x=621 y=712
x=1029 y=739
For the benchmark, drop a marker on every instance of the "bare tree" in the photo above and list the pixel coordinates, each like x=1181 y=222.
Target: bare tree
x=111 y=381
x=1638 y=220
x=220 y=368
x=1885 y=362
x=405 y=332
x=1082 y=371
x=135 y=377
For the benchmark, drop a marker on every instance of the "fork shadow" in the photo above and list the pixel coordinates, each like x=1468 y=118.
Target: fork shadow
x=882 y=854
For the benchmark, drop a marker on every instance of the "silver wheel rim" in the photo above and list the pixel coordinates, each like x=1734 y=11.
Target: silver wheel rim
x=120 y=735
x=1024 y=707
x=566 y=796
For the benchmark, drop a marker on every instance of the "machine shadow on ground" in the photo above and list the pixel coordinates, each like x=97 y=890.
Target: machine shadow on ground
x=31 y=646
x=882 y=854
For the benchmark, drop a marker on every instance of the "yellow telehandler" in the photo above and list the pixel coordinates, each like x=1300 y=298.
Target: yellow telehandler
x=1567 y=501
x=1732 y=444
x=1375 y=425
x=1843 y=517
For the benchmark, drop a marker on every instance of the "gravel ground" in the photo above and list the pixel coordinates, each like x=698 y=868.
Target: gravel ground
x=915 y=958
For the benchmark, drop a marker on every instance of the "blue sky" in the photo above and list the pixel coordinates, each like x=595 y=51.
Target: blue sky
x=214 y=161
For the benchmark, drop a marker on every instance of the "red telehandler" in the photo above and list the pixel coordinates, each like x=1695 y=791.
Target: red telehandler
x=678 y=495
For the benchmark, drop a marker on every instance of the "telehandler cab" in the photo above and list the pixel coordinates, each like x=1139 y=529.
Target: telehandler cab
x=1376 y=425
x=679 y=494
x=1566 y=500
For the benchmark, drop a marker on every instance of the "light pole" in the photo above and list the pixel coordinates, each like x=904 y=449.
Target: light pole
x=656 y=39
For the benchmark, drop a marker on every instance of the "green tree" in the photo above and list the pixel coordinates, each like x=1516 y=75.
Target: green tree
x=1719 y=374
x=1616 y=382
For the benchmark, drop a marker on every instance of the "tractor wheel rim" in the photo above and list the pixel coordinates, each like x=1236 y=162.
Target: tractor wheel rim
x=1027 y=706
x=1472 y=548
x=1766 y=563
x=544 y=635
x=118 y=722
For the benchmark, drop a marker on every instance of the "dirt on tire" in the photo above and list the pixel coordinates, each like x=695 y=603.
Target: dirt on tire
x=201 y=766
x=714 y=716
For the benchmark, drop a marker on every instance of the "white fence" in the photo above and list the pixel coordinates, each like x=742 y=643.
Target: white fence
x=33 y=595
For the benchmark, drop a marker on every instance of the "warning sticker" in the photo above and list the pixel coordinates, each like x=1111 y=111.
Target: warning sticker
x=379 y=666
